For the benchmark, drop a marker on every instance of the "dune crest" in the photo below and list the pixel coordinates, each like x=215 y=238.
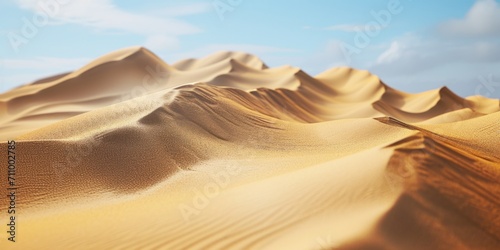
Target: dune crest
x=224 y=152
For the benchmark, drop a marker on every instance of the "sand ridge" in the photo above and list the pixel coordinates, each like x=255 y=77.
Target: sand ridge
x=224 y=152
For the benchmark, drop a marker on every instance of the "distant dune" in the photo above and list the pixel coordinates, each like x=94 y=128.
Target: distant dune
x=224 y=152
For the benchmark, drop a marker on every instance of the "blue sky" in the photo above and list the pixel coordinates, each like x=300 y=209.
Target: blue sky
x=412 y=45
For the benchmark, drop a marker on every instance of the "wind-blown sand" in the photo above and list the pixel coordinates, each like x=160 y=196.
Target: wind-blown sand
x=223 y=152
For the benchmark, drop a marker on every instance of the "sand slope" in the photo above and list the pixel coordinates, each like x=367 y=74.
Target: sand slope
x=223 y=152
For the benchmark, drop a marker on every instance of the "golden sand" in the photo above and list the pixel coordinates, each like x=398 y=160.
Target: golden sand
x=223 y=152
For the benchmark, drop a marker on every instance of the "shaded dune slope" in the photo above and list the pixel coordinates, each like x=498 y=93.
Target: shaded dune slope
x=451 y=189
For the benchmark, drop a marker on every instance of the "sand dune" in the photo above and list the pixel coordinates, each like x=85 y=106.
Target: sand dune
x=224 y=152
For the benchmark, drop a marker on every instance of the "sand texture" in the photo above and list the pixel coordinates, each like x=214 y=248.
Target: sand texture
x=223 y=152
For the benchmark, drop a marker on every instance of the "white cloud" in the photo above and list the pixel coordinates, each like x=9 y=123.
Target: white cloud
x=103 y=15
x=483 y=19
x=413 y=53
x=391 y=54
x=420 y=61
x=417 y=62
